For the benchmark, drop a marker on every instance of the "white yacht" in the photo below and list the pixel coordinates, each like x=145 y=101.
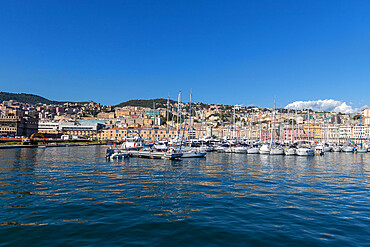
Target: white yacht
x=265 y=149
x=228 y=150
x=193 y=153
x=240 y=149
x=337 y=148
x=134 y=142
x=172 y=154
x=221 y=149
x=276 y=150
x=160 y=146
x=348 y=149
x=323 y=147
x=361 y=150
x=304 y=151
x=116 y=154
x=290 y=151
x=205 y=148
x=253 y=150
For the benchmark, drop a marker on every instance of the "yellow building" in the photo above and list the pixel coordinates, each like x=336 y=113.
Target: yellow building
x=315 y=131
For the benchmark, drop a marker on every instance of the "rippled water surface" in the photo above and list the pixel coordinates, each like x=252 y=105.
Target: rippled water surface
x=71 y=197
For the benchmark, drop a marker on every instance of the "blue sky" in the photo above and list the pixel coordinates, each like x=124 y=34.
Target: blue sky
x=230 y=52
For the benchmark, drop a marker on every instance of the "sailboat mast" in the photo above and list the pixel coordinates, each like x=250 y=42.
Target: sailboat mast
x=308 y=124
x=190 y=125
x=260 y=120
x=168 y=115
x=250 y=126
x=153 y=121
x=292 y=133
x=273 y=124
x=178 y=114
x=234 y=127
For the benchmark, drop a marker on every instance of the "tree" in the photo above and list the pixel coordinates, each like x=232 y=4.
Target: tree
x=356 y=117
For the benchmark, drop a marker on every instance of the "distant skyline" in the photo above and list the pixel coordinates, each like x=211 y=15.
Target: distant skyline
x=228 y=52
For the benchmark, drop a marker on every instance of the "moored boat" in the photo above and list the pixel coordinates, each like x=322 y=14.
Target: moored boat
x=290 y=151
x=348 y=149
x=276 y=151
x=253 y=150
x=304 y=151
x=265 y=149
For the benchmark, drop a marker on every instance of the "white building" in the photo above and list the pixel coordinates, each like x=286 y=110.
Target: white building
x=361 y=132
x=345 y=132
x=47 y=126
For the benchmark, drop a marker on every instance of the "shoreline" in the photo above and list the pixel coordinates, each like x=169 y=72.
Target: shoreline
x=49 y=145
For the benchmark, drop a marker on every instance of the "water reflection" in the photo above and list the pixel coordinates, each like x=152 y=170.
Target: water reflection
x=236 y=191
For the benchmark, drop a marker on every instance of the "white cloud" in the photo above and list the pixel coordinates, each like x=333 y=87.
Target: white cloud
x=329 y=105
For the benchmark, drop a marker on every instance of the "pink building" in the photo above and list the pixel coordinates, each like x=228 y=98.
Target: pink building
x=287 y=135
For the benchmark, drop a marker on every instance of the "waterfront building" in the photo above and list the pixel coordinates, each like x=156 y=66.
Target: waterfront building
x=149 y=134
x=70 y=128
x=345 y=132
x=18 y=126
x=48 y=127
x=360 y=132
x=330 y=133
x=313 y=131
x=80 y=129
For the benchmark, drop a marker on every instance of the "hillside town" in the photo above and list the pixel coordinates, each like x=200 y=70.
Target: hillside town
x=90 y=120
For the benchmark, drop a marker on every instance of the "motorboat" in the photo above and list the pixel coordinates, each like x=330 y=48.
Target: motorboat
x=304 y=151
x=253 y=150
x=323 y=147
x=265 y=149
x=240 y=149
x=172 y=154
x=133 y=142
x=337 y=149
x=193 y=153
x=348 y=149
x=228 y=150
x=290 y=151
x=361 y=150
x=277 y=151
x=116 y=154
x=205 y=148
x=221 y=149
x=160 y=146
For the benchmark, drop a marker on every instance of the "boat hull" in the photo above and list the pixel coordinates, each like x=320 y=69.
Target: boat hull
x=277 y=151
x=253 y=151
x=305 y=152
x=290 y=151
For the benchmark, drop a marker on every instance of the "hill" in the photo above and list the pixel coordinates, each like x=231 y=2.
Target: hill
x=25 y=98
x=146 y=103
x=32 y=99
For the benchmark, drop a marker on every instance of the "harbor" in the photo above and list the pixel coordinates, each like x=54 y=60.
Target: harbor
x=73 y=195
x=185 y=123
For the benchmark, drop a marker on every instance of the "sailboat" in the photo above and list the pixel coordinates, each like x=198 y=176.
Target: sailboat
x=306 y=150
x=291 y=149
x=361 y=149
x=254 y=149
x=189 y=152
x=274 y=149
x=265 y=148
